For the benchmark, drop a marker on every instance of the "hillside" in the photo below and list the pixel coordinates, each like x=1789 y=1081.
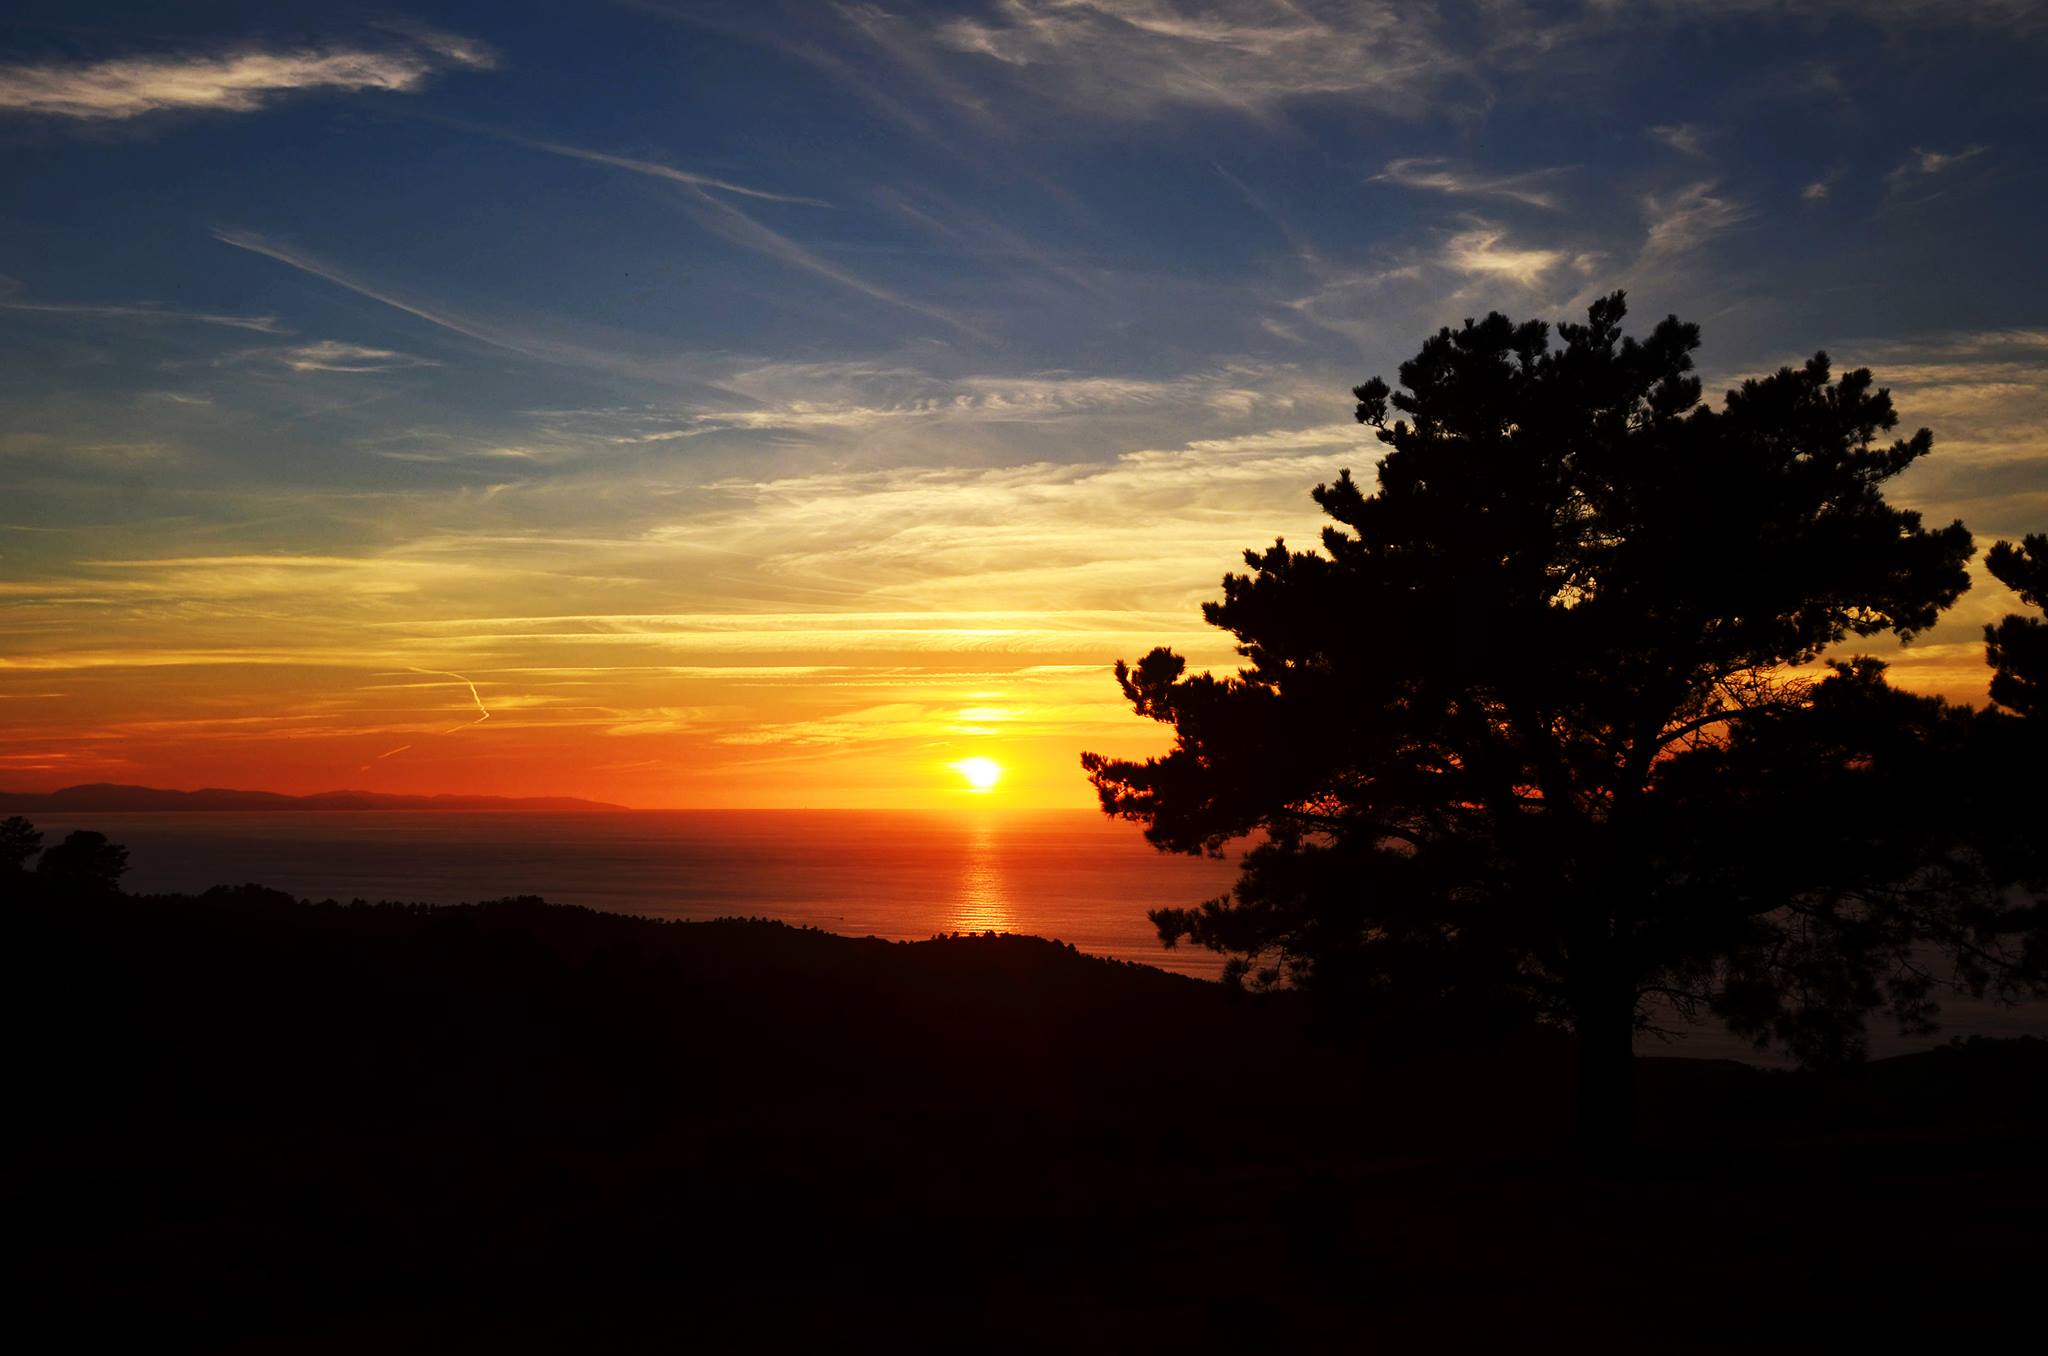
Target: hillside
x=252 y=1124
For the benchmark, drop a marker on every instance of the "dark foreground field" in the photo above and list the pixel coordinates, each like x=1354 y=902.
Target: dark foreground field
x=245 y=1124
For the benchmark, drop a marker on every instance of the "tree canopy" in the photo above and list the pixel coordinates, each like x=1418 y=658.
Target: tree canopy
x=1542 y=729
x=85 y=863
x=19 y=841
x=2017 y=647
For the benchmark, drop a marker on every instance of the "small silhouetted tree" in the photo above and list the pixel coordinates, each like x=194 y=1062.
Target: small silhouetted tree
x=19 y=841
x=2014 y=752
x=1537 y=731
x=84 y=864
x=2017 y=647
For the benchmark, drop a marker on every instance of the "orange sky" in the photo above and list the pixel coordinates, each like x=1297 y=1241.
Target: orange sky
x=829 y=640
x=824 y=401
x=823 y=641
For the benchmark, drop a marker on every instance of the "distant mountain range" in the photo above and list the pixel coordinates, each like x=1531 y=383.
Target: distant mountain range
x=101 y=797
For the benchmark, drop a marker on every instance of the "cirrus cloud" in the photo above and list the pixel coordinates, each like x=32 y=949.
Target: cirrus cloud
x=1688 y=218
x=1138 y=58
x=331 y=355
x=1442 y=176
x=242 y=81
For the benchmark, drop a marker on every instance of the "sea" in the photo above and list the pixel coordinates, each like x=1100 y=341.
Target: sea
x=901 y=875
x=1074 y=876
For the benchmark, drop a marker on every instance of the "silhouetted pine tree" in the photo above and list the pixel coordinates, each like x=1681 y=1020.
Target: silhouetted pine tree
x=1537 y=730
x=84 y=865
x=2017 y=647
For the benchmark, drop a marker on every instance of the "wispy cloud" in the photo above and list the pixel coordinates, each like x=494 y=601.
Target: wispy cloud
x=306 y=263
x=1484 y=251
x=727 y=221
x=264 y=324
x=1687 y=219
x=237 y=82
x=1924 y=164
x=877 y=610
x=1682 y=137
x=1980 y=392
x=529 y=342
x=1137 y=58
x=980 y=232
x=331 y=355
x=1443 y=176
x=656 y=170
x=816 y=401
x=984 y=401
x=2013 y=15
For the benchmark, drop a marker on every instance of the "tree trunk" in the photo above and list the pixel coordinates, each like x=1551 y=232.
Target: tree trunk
x=1607 y=1073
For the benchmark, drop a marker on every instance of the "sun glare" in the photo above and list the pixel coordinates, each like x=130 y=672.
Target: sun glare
x=981 y=773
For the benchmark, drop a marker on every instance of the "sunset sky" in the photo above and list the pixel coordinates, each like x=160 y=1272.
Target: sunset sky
x=721 y=405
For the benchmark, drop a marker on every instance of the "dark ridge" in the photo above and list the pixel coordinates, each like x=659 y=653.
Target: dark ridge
x=106 y=797
x=244 y=1122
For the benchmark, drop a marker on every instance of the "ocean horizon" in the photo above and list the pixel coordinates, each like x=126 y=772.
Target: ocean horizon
x=902 y=875
x=1074 y=876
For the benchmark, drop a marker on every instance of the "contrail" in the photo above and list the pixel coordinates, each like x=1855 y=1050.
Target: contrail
x=306 y=263
x=649 y=168
x=711 y=212
x=483 y=712
x=382 y=756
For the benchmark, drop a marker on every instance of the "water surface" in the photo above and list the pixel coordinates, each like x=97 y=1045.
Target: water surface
x=901 y=875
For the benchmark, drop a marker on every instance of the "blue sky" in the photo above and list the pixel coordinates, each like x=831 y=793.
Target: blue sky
x=734 y=391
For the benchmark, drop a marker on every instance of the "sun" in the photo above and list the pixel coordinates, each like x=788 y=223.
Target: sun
x=981 y=773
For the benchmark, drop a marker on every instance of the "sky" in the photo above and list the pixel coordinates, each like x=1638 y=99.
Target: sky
x=692 y=404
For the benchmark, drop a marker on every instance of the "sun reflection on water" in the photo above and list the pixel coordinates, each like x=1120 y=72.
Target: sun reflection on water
x=981 y=901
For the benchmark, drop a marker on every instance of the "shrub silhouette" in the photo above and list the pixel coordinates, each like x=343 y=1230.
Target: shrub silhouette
x=85 y=863
x=19 y=841
x=2017 y=647
x=1536 y=732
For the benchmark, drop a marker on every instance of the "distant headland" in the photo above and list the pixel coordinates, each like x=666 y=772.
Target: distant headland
x=105 y=797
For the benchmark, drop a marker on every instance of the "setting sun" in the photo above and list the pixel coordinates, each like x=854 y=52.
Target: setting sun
x=981 y=773
x=873 y=602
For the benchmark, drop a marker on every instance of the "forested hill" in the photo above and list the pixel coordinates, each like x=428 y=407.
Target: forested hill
x=245 y=1122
